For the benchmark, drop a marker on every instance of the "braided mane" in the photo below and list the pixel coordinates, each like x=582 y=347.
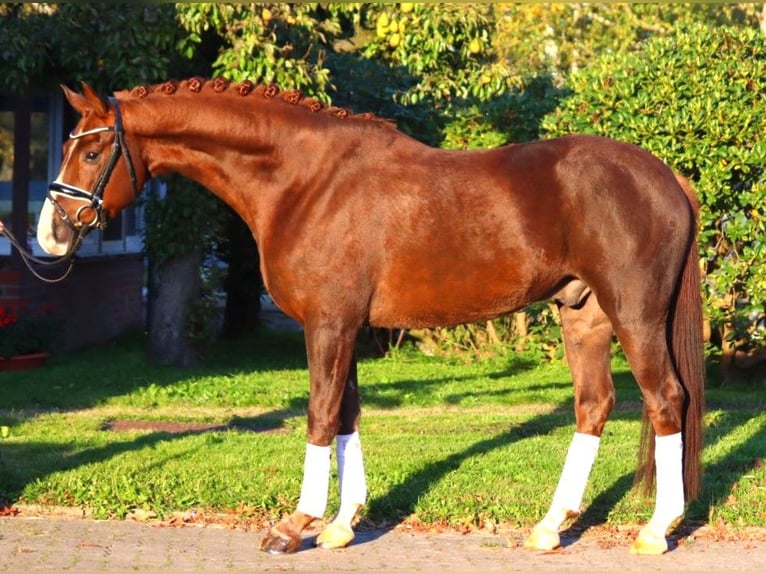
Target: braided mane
x=246 y=88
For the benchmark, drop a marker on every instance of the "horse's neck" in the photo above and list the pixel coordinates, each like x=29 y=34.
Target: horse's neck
x=196 y=139
x=228 y=149
x=262 y=157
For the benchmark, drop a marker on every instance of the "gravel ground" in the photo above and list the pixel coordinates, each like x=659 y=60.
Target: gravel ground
x=60 y=544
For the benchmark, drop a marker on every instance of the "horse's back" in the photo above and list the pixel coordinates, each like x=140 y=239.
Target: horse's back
x=493 y=230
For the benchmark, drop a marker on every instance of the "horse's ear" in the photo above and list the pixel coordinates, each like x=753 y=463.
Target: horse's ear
x=89 y=101
x=98 y=103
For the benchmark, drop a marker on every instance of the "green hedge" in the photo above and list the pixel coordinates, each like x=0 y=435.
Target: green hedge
x=696 y=100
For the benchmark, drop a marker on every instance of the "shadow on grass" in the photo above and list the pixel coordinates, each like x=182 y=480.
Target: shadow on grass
x=73 y=383
x=719 y=478
x=16 y=472
x=402 y=499
x=390 y=396
x=94 y=376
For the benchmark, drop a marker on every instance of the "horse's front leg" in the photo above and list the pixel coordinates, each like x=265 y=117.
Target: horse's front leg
x=330 y=354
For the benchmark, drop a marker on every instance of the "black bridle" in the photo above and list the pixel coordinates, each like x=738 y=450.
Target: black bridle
x=92 y=199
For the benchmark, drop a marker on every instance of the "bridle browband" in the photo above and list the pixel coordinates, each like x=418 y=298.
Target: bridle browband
x=93 y=199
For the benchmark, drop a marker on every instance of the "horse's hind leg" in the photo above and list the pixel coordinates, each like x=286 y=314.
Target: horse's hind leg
x=647 y=352
x=587 y=334
x=353 y=486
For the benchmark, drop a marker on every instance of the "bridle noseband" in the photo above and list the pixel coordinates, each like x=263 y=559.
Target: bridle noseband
x=93 y=199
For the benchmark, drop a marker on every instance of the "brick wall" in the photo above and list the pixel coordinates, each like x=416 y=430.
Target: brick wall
x=100 y=300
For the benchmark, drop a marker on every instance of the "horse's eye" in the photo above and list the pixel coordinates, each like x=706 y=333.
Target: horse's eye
x=91 y=156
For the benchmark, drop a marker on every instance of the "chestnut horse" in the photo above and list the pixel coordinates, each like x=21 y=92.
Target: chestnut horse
x=358 y=224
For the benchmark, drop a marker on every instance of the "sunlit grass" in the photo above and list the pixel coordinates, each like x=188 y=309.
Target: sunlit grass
x=453 y=442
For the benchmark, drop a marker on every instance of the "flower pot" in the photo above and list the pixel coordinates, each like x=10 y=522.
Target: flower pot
x=23 y=362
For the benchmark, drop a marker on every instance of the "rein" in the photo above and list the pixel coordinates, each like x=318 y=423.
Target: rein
x=93 y=200
x=30 y=259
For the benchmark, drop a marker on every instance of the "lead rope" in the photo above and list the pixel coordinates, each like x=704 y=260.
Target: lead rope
x=30 y=259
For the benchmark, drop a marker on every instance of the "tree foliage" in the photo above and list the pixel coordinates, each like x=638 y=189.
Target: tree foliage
x=42 y=45
x=561 y=38
x=277 y=43
x=447 y=48
x=412 y=63
x=683 y=80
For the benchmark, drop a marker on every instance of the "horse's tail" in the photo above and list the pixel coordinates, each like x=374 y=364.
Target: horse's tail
x=685 y=340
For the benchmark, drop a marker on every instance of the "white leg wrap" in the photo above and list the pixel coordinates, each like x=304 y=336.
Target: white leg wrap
x=316 y=480
x=669 y=504
x=569 y=492
x=574 y=477
x=353 y=485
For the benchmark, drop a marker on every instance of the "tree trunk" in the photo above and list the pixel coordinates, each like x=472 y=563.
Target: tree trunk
x=492 y=334
x=174 y=286
x=243 y=282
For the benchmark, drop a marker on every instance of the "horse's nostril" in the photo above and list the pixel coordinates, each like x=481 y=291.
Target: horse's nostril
x=57 y=228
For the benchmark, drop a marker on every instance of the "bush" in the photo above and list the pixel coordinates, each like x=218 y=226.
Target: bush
x=696 y=100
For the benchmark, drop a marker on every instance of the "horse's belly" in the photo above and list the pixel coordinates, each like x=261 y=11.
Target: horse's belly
x=423 y=305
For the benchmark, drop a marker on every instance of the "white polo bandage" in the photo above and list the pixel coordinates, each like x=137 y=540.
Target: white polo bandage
x=574 y=477
x=353 y=485
x=668 y=456
x=316 y=480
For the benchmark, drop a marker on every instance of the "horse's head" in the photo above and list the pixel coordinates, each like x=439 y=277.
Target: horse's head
x=98 y=177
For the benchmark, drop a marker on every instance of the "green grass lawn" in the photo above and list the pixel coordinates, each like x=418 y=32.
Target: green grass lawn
x=447 y=441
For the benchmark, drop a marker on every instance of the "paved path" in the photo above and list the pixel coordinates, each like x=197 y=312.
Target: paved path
x=56 y=544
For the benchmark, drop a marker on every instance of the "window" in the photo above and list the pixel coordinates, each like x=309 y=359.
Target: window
x=38 y=160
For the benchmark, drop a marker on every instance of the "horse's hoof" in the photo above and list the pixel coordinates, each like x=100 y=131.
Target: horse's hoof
x=335 y=536
x=649 y=544
x=542 y=538
x=276 y=542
